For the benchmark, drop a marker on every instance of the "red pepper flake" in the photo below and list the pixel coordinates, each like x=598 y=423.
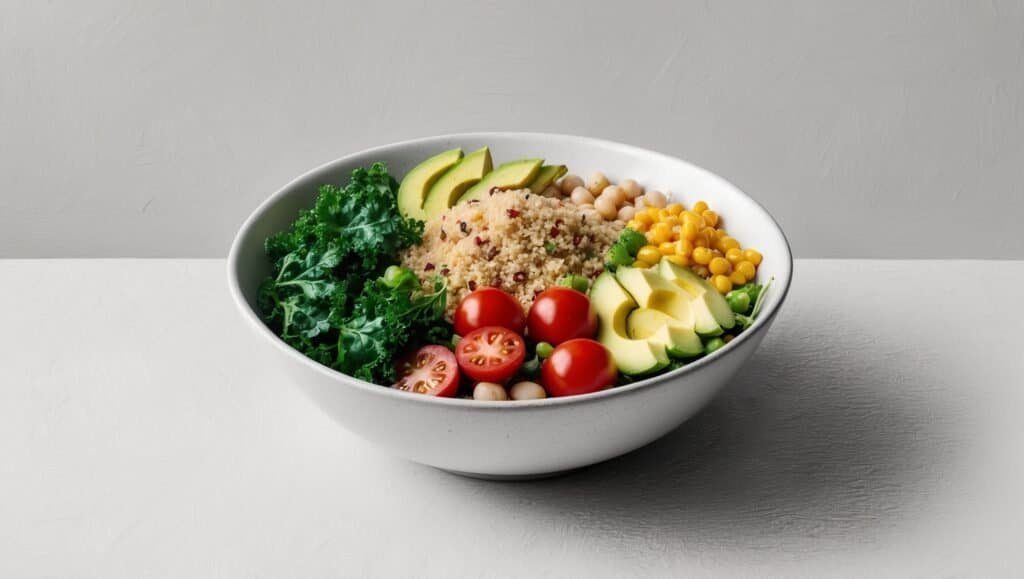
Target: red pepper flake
x=445 y=271
x=595 y=273
x=512 y=213
x=576 y=239
x=555 y=231
x=443 y=235
x=558 y=222
x=480 y=241
x=519 y=276
x=428 y=267
x=472 y=285
x=496 y=282
x=492 y=253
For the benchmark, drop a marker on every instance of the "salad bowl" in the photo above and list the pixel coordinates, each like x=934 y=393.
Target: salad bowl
x=521 y=439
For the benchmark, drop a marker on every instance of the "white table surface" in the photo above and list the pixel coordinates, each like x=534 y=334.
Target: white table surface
x=877 y=433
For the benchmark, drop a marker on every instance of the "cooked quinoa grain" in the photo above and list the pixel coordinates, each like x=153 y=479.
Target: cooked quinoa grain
x=513 y=240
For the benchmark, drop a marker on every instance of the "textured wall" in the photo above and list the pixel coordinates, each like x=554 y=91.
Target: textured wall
x=872 y=129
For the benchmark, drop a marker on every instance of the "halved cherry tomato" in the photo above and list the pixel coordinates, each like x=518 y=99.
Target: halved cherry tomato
x=578 y=367
x=491 y=354
x=489 y=306
x=431 y=370
x=559 y=314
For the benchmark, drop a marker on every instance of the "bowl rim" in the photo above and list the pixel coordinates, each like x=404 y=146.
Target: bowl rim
x=759 y=325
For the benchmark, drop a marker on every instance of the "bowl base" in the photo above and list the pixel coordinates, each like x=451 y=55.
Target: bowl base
x=511 y=477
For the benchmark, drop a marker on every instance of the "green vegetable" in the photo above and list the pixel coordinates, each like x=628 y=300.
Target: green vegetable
x=713 y=344
x=632 y=240
x=544 y=349
x=739 y=301
x=550 y=247
x=576 y=282
x=758 y=292
x=399 y=277
x=332 y=294
x=454 y=343
x=618 y=255
x=530 y=368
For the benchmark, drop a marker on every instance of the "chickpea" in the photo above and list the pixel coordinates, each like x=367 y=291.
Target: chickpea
x=597 y=183
x=655 y=199
x=489 y=391
x=626 y=212
x=606 y=207
x=527 y=391
x=569 y=183
x=552 y=191
x=640 y=203
x=581 y=196
x=616 y=194
x=631 y=188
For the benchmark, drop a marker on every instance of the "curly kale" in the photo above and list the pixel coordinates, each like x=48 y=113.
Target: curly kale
x=327 y=297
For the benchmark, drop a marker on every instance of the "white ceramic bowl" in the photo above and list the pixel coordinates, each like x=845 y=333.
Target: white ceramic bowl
x=532 y=438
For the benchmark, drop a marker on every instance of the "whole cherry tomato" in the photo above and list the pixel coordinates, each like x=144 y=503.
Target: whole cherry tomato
x=559 y=314
x=489 y=306
x=578 y=366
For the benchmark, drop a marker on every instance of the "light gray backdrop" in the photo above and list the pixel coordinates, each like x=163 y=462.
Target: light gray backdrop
x=870 y=129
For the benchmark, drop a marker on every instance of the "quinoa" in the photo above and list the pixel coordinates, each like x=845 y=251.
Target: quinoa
x=513 y=240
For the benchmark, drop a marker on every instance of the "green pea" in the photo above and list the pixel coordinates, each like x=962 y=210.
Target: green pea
x=544 y=349
x=632 y=240
x=739 y=301
x=531 y=367
x=576 y=282
x=395 y=277
x=455 y=341
x=619 y=255
x=713 y=344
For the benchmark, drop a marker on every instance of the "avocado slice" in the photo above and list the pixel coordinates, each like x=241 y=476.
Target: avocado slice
x=711 y=311
x=613 y=304
x=511 y=175
x=650 y=290
x=417 y=182
x=454 y=182
x=547 y=175
x=656 y=326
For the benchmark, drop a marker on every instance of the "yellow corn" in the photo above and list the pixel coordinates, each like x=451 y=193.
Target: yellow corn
x=701 y=255
x=734 y=255
x=699 y=207
x=648 y=253
x=737 y=278
x=679 y=259
x=722 y=283
x=720 y=265
x=675 y=209
x=747 y=269
x=667 y=248
x=753 y=256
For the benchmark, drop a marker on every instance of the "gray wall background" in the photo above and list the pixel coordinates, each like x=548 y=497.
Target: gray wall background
x=870 y=129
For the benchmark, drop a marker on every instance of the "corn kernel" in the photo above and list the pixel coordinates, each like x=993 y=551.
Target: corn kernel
x=691 y=217
x=667 y=248
x=648 y=253
x=722 y=283
x=684 y=247
x=678 y=259
x=699 y=207
x=753 y=256
x=737 y=278
x=689 y=231
x=747 y=269
x=710 y=217
x=719 y=265
x=663 y=214
x=641 y=264
x=711 y=234
x=660 y=233
x=674 y=209
x=700 y=241
x=672 y=220
x=642 y=217
x=701 y=255
x=734 y=255
x=729 y=243
x=652 y=212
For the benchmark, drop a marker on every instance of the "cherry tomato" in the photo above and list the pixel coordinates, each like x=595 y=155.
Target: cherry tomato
x=559 y=314
x=489 y=306
x=491 y=354
x=578 y=367
x=431 y=370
